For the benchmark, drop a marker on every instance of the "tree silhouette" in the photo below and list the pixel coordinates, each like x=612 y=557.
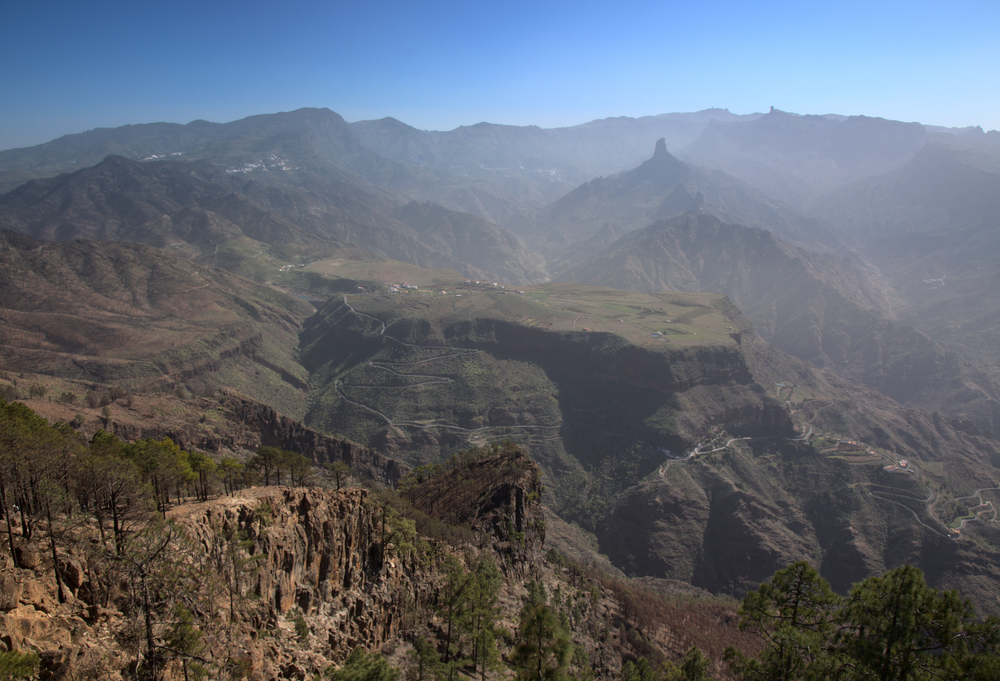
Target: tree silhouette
x=897 y=628
x=268 y=461
x=793 y=613
x=340 y=471
x=890 y=628
x=544 y=650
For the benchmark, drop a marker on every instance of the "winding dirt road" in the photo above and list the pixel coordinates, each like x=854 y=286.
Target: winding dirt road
x=431 y=379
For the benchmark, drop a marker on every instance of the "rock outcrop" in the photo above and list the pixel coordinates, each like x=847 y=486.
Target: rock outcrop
x=497 y=496
x=321 y=552
x=282 y=583
x=252 y=425
x=276 y=430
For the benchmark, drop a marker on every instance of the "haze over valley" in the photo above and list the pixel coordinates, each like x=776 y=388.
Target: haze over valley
x=727 y=342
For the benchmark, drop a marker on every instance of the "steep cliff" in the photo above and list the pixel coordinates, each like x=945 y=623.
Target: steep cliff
x=418 y=379
x=226 y=424
x=497 y=497
x=320 y=552
x=281 y=555
x=276 y=430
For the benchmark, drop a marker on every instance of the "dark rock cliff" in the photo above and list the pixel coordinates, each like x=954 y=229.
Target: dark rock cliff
x=498 y=498
x=254 y=425
x=276 y=430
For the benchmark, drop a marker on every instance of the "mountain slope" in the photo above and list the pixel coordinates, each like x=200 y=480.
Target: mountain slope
x=319 y=136
x=594 y=214
x=826 y=311
x=771 y=281
x=483 y=249
x=135 y=316
x=186 y=207
x=231 y=220
x=796 y=158
x=933 y=228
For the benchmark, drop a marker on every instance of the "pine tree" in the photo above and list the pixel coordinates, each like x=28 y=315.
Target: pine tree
x=184 y=639
x=544 y=649
x=364 y=666
x=793 y=612
x=890 y=628
x=17 y=665
x=899 y=629
x=483 y=613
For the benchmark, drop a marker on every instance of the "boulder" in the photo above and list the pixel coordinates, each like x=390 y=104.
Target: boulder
x=72 y=573
x=39 y=595
x=10 y=592
x=28 y=628
x=27 y=554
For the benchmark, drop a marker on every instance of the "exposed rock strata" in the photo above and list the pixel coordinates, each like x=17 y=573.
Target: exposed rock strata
x=498 y=499
x=274 y=429
x=259 y=425
x=322 y=552
x=327 y=556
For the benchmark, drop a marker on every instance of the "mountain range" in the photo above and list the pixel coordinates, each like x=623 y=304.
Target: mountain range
x=851 y=261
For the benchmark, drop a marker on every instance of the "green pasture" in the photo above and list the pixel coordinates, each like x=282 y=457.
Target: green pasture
x=387 y=271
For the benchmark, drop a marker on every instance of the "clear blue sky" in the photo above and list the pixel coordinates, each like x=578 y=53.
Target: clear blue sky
x=70 y=66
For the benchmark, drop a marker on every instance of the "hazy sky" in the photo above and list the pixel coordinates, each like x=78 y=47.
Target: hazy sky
x=70 y=66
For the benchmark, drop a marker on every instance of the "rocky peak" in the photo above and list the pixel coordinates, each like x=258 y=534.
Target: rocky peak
x=662 y=168
x=495 y=492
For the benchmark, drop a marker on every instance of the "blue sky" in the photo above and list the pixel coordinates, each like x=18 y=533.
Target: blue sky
x=68 y=66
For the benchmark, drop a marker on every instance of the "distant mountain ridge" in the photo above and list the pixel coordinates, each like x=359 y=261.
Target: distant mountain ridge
x=932 y=227
x=824 y=310
x=795 y=158
x=223 y=219
x=909 y=206
x=533 y=164
x=152 y=203
x=661 y=187
x=489 y=170
x=771 y=281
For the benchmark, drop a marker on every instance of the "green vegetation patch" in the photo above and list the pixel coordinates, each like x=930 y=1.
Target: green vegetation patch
x=617 y=307
x=386 y=271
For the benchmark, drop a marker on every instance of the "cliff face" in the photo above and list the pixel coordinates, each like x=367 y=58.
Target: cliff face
x=283 y=583
x=709 y=385
x=321 y=551
x=498 y=499
x=275 y=430
x=337 y=557
x=525 y=367
x=310 y=553
x=595 y=409
x=609 y=357
x=247 y=425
